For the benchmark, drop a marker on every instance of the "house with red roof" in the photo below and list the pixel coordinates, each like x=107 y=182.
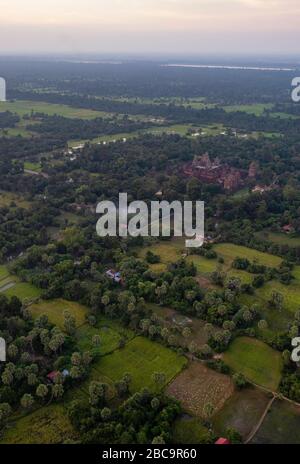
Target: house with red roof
x=222 y=441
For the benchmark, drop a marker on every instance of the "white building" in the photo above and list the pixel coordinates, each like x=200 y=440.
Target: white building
x=2 y=89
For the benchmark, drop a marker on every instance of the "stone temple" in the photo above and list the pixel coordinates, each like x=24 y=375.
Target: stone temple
x=214 y=172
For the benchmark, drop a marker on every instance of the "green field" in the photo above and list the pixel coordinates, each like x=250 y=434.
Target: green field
x=48 y=425
x=281 y=425
x=284 y=116
x=110 y=335
x=203 y=265
x=169 y=251
x=11 y=286
x=229 y=252
x=23 y=107
x=55 y=308
x=141 y=358
x=256 y=360
x=257 y=108
x=291 y=294
x=280 y=238
x=32 y=166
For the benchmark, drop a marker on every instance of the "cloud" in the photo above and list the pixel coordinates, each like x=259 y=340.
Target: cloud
x=173 y=24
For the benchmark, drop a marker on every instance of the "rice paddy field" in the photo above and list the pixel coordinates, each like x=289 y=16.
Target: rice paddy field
x=198 y=386
x=141 y=358
x=257 y=361
x=242 y=411
x=281 y=425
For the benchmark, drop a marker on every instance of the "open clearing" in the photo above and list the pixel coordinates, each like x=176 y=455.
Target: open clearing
x=242 y=411
x=280 y=238
x=141 y=358
x=8 y=198
x=281 y=425
x=11 y=286
x=23 y=107
x=55 y=308
x=48 y=425
x=229 y=252
x=197 y=386
x=257 y=361
x=110 y=336
x=256 y=108
x=169 y=251
x=172 y=318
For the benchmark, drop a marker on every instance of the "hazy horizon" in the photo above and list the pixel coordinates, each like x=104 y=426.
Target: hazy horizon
x=150 y=27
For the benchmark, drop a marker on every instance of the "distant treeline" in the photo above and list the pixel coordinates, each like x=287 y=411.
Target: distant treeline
x=66 y=128
x=173 y=113
x=150 y=80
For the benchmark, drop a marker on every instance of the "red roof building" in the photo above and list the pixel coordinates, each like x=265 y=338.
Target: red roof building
x=222 y=441
x=288 y=228
x=52 y=375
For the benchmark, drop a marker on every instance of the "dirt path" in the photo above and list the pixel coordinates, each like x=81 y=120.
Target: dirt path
x=257 y=427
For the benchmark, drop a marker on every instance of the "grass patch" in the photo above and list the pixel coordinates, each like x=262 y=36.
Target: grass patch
x=23 y=107
x=169 y=251
x=48 y=425
x=256 y=108
x=291 y=294
x=110 y=335
x=55 y=308
x=22 y=290
x=32 y=166
x=280 y=238
x=203 y=265
x=229 y=252
x=141 y=358
x=256 y=360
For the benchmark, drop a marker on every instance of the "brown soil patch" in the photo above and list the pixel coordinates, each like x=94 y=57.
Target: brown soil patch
x=197 y=385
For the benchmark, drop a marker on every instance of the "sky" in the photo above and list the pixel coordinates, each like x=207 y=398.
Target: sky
x=150 y=26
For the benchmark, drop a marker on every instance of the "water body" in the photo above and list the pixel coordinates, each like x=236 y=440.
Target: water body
x=217 y=66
